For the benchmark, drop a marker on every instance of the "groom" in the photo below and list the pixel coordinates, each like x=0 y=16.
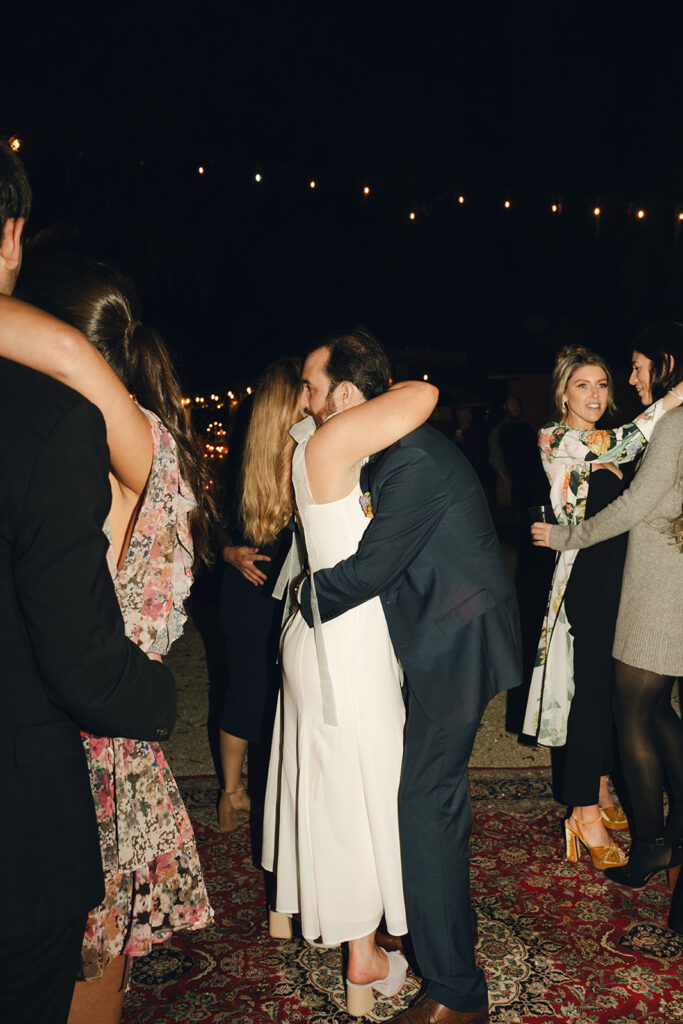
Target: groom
x=432 y=556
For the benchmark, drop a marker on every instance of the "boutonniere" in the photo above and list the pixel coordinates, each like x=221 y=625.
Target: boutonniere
x=366 y=504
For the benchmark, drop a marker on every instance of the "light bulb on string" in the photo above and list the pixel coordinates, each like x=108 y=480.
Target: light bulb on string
x=425 y=376
x=200 y=169
x=554 y=207
x=507 y=204
x=258 y=176
x=15 y=143
x=640 y=214
x=366 y=190
x=411 y=215
x=597 y=211
x=461 y=200
x=311 y=183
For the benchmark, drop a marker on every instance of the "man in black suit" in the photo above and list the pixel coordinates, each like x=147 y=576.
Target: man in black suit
x=432 y=556
x=66 y=664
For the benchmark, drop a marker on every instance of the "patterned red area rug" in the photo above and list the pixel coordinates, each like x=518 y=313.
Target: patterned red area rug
x=558 y=942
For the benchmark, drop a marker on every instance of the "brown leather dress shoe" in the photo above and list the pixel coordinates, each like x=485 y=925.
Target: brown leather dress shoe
x=392 y=943
x=427 y=1011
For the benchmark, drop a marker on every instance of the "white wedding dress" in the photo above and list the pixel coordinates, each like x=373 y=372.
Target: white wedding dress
x=331 y=814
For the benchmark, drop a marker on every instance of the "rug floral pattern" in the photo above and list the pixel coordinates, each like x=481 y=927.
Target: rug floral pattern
x=558 y=942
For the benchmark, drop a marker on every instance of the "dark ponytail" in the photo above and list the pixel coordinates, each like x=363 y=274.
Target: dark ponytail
x=102 y=303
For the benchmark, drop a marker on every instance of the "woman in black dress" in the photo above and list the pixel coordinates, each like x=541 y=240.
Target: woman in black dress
x=259 y=541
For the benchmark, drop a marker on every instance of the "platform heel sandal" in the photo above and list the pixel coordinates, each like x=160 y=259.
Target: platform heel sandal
x=603 y=857
x=279 y=925
x=360 y=999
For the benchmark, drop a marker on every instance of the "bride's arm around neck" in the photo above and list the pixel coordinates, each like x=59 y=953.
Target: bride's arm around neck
x=360 y=429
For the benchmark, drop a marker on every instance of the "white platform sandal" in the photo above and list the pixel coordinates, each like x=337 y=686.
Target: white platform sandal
x=360 y=999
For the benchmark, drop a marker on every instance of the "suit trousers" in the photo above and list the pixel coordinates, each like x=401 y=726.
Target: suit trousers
x=38 y=972
x=435 y=817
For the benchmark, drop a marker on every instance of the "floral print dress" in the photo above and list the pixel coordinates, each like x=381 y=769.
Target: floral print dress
x=153 y=879
x=568 y=456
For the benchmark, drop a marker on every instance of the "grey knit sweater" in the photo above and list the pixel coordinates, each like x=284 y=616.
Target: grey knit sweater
x=649 y=632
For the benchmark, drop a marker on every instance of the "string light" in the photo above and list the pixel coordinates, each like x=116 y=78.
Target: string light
x=506 y=204
x=248 y=391
x=680 y=216
x=366 y=190
x=411 y=215
x=597 y=211
x=425 y=376
x=258 y=177
x=200 y=170
x=461 y=199
x=640 y=214
x=15 y=143
x=554 y=207
x=311 y=183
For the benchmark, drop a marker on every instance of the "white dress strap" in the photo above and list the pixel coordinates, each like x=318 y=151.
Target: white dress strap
x=302 y=432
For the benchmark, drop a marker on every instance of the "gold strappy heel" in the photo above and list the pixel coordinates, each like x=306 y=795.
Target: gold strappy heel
x=602 y=856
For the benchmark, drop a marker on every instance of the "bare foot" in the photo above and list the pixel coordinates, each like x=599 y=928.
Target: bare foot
x=367 y=966
x=590 y=828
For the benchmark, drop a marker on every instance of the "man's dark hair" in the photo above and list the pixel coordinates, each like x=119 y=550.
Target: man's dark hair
x=662 y=342
x=15 y=191
x=357 y=356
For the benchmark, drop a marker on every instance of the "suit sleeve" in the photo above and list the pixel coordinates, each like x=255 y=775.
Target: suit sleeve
x=658 y=474
x=411 y=503
x=89 y=667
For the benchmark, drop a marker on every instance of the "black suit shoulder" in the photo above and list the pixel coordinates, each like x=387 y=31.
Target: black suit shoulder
x=32 y=408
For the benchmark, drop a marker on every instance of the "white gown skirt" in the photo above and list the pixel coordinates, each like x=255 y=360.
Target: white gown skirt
x=331 y=819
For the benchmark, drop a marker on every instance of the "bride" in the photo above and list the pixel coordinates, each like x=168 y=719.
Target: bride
x=331 y=829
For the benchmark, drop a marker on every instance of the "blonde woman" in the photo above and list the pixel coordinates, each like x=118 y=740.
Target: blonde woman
x=570 y=700
x=259 y=507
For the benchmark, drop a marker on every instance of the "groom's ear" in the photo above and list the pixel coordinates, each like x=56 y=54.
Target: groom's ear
x=349 y=395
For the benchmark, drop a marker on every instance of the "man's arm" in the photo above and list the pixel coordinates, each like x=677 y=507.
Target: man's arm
x=410 y=506
x=66 y=594
x=660 y=471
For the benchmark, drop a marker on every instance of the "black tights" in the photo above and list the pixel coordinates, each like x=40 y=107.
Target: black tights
x=651 y=746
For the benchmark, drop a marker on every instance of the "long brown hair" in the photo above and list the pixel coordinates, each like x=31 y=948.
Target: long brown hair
x=102 y=303
x=267 y=498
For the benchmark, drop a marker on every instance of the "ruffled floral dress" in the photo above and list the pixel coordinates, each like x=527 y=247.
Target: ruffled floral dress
x=568 y=455
x=153 y=879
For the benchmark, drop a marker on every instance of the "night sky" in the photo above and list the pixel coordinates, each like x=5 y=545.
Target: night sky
x=537 y=103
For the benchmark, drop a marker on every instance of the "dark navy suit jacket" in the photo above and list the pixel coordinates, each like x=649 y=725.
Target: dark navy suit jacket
x=66 y=662
x=433 y=557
